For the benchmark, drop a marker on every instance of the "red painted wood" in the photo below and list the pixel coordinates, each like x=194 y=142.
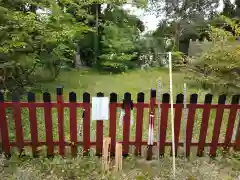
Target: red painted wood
x=151 y=123
x=86 y=129
x=73 y=128
x=230 y=126
x=189 y=129
x=177 y=126
x=4 y=130
x=33 y=126
x=216 y=130
x=56 y=143
x=139 y=128
x=49 y=128
x=99 y=138
x=112 y=125
x=237 y=143
x=18 y=126
x=126 y=129
x=146 y=105
x=204 y=128
x=163 y=128
x=60 y=111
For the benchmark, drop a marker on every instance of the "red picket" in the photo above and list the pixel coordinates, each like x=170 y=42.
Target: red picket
x=204 y=126
x=4 y=127
x=126 y=123
x=48 y=123
x=231 y=121
x=163 y=125
x=177 y=121
x=86 y=123
x=112 y=122
x=151 y=121
x=237 y=143
x=139 y=123
x=18 y=122
x=33 y=122
x=99 y=133
x=217 y=125
x=190 y=122
x=73 y=122
x=60 y=111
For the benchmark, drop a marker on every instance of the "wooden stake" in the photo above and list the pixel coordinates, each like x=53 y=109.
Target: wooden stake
x=106 y=153
x=118 y=157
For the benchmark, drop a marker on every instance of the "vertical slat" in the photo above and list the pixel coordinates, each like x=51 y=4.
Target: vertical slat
x=217 y=125
x=177 y=120
x=139 y=123
x=190 y=122
x=4 y=127
x=48 y=123
x=18 y=122
x=151 y=122
x=73 y=122
x=60 y=111
x=237 y=143
x=231 y=121
x=112 y=122
x=86 y=123
x=164 y=121
x=204 y=126
x=126 y=123
x=99 y=133
x=33 y=122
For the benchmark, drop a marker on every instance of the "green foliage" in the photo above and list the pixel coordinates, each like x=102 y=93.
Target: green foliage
x=219 y=68
x=119 y=39
x=37 y=34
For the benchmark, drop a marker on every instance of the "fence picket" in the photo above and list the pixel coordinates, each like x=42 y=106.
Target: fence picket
x=177 y=121
x=139 y=123
x=60 y=111
x=18 y=122
x=217 y=125
x=4 y=127
x=112 y=122
x=237 y=143
x=73 y=122
x=204 y=125
x=164 y=121
x=86 y=123
x=33 y=122
x=127 y=105
x=99 y=133
x=151 y=122
x=48 y=123
x=190 y=122
x=231 y=121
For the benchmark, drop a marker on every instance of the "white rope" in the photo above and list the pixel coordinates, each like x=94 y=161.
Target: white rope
x=185 y=118
x=172 y=118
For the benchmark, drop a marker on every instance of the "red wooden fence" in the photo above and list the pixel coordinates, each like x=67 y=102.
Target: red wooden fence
x=127 y=105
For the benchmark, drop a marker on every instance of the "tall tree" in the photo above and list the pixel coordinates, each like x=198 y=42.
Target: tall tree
x=181 y=13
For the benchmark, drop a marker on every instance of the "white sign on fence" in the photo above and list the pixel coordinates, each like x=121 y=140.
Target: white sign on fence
x=100 y=108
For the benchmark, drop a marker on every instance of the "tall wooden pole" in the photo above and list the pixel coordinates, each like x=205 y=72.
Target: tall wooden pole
x=172 y=115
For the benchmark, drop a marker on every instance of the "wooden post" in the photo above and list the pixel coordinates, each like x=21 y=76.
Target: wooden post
x=106 y=153
x=118 y=157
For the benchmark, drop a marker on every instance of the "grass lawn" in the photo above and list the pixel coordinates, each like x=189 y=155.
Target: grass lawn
x=136 y=81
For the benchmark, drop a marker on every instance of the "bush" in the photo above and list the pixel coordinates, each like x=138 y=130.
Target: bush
x=218 y=69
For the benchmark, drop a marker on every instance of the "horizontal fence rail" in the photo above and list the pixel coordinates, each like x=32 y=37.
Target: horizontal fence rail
x=231 y=139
